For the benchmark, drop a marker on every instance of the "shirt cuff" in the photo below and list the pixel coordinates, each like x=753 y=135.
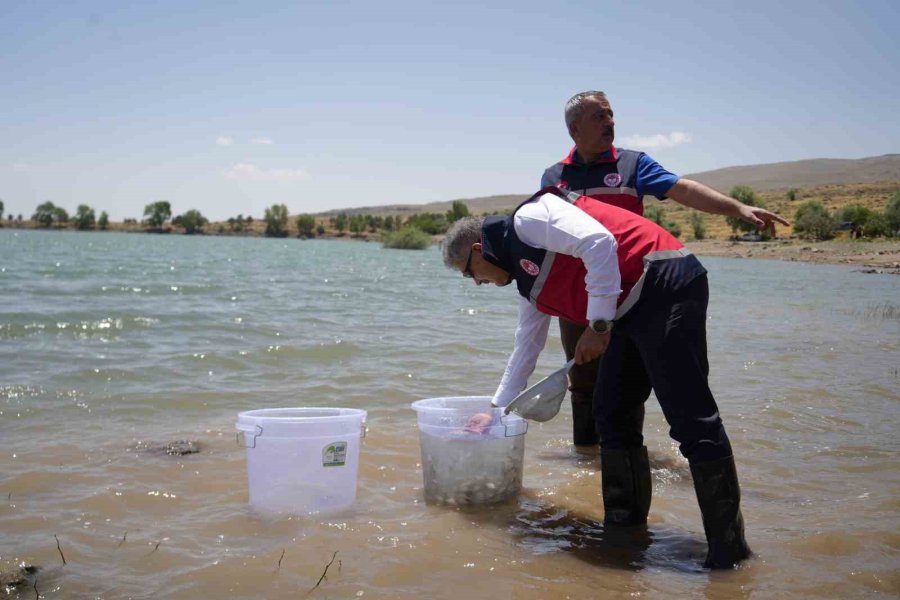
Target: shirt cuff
x=503 y=396
x=601 y=307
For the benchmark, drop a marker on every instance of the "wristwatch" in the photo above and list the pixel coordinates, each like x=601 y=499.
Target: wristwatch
x=601 y=326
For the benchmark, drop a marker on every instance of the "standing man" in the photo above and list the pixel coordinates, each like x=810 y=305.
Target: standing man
x=645 y=297
x=595 y=167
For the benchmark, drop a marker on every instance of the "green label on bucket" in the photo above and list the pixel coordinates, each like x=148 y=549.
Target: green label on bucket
x=334 y=454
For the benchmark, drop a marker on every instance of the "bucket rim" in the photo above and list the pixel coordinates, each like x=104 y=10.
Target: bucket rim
x=343 y=414
x=420 y=406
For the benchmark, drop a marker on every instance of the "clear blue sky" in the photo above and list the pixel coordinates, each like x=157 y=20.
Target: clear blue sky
x=229 y=107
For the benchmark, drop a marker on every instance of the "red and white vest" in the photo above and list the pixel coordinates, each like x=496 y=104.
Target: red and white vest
x=555 y=283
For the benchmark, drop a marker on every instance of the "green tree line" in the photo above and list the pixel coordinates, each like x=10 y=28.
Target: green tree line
x=812 y=220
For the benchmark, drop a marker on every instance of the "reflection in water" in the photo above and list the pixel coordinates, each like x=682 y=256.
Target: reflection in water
x=116 y=338
x=541 y=527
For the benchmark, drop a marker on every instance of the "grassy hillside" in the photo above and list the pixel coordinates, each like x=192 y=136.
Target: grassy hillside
x=836 y=183
x=767 y=177
x=803 y=173
x=481 y=205
x=873 y=196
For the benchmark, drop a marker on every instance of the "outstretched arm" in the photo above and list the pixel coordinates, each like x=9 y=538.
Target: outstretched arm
x=531 y=335
x=694 y=194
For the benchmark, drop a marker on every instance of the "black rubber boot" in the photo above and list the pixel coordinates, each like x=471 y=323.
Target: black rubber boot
x=626 y=486
x=719 y=495
x=584 y=432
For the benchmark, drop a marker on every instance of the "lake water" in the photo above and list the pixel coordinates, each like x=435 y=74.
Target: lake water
x=110 y=343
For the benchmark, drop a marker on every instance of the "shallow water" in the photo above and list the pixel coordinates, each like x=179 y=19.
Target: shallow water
x=112 y=342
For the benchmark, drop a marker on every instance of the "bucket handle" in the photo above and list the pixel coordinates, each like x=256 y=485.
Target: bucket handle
x=519 y=427
x=257 y=431
x=241 y=440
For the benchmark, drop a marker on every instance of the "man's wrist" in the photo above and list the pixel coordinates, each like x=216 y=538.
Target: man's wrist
x=600 y=326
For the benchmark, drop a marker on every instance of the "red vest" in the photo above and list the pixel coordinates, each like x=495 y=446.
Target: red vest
x=561 y=290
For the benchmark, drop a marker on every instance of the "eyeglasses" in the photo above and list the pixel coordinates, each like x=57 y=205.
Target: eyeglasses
x=467 y=272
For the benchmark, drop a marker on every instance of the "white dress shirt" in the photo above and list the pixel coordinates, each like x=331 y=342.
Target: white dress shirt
x=557 y=226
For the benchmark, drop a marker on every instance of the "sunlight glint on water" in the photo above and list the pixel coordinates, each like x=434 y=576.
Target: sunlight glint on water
x=112 y=343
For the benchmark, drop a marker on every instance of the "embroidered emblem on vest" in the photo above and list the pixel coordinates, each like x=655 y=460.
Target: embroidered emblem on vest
x=529 y=267
x=612 y=179
x=563 y=185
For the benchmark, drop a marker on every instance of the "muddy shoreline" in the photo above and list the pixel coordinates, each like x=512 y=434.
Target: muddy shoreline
x=877 y=256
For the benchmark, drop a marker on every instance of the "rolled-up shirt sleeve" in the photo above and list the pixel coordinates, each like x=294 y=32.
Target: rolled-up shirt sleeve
x=553 y=224
x=531 y=335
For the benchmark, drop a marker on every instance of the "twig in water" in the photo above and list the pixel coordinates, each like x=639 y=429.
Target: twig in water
x=278 y=568
x=63 y=556
x=155 y=548
x=324 y=572
x=37 y=594
x=9 y=497
x=123 y=540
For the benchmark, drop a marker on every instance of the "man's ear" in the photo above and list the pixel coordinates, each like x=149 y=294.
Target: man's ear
x=477 y=246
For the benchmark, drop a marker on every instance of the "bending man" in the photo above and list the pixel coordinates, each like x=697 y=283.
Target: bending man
x=645 y=299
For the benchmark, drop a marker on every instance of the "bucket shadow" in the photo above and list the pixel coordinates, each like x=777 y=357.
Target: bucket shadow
x=542 y=527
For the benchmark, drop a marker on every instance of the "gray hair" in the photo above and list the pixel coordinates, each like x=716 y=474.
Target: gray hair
x=459 y=239
x=575 y=105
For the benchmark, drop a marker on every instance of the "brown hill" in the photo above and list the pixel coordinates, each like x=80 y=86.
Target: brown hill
x=803 y=173
x=484 y=204
x=766 y=177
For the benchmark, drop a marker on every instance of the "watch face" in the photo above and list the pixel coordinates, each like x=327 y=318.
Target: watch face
x=601 y=326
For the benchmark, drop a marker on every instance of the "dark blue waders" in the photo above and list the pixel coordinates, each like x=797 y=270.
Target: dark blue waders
x=660 y=344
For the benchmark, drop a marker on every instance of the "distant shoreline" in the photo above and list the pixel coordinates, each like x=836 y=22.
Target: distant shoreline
x=875 y=256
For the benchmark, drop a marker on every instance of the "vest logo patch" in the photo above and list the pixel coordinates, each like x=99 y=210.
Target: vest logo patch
x=563 y=185
x=612 y=179
x=529 y=267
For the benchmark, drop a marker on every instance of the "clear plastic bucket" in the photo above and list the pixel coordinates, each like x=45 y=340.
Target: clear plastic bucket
x=462 y=467
x=302 y=460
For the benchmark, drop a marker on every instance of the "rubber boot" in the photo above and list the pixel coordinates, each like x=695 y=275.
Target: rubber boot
x=584 y=432
x=719 y=495
x=626 y=486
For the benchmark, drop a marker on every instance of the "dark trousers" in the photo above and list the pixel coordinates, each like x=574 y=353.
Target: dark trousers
x=660 y=344
x=581 y=377
x=581 y=385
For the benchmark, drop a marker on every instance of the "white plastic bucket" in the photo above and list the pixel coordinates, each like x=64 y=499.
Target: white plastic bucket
x=463 y=467
x=302 y=460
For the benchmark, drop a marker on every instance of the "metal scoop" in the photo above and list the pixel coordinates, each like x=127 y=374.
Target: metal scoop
x=541 y=401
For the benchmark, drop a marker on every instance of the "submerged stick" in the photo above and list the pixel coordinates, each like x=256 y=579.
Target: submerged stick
x=278 y=568
x=63 y=556
x=37 y=594
x=155 y=548
x=333 y=556
x=123 y=540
